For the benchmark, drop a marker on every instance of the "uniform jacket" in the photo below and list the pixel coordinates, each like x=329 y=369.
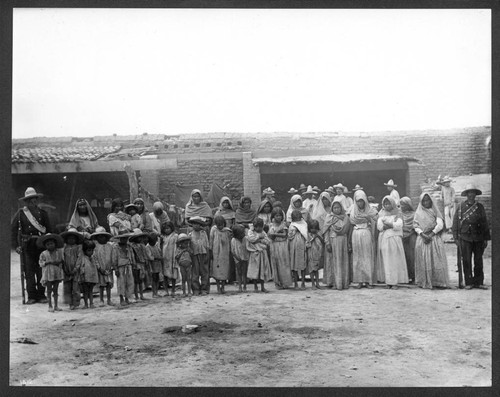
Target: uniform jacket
x=473 y=227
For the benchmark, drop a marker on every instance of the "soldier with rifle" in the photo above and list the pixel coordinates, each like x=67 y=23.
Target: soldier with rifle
x=471 y=233
x=28 y=224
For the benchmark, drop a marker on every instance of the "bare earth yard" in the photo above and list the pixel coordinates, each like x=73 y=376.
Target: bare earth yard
x=379 y=337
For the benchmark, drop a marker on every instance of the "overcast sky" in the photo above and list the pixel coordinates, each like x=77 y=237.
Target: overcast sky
x=86 y=72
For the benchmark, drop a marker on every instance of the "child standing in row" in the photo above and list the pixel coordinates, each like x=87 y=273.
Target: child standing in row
x=200 y=249
x=170 y=266
x=104 y=258
x=297 y=236
x=72 y=250
x=123 y=265
x=138 y=242
x=259 y=269
x=156 y=263
x=220 y=248
x=51 y=261
x=87 y=272
x=280 y=262
x=314 y=246
x=184 y=261
x=240 y=255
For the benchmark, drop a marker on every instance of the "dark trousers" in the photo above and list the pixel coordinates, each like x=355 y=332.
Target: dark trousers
x=409 y=247
x=200 y=270
x=33 y=274
x=469 y=248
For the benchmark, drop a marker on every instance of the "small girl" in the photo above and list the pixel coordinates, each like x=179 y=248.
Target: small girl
x=156 y=263
x=259 y=269
x=297 y=238
x=240 y=255
x=135 y=219
x=138 y=242
x=72 y=249
x=314 y=253
x=170 y=266
x=280 y=262
x=51 y=261
x=103 y=254
x=88 y=273
x=220 y=248
x=124 y=261
x=390 y=252
x=184 y=262
x=200 y=248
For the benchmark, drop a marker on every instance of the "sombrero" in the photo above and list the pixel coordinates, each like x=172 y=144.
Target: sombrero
x=330 y=190
x=73 y=232
x=100 y=231
x=40 y=242
x=268 y=191
x=197 y=219
x=136 y=234
x=357 y=187
x=390 y=183
x=309 y=190
x=183 y=237
x=30 y=193
x=129 y=206
x=317 y=189
x=339 y=185
x=293 y=191
x=470 y=187
x=302 y=187
x=446 y=179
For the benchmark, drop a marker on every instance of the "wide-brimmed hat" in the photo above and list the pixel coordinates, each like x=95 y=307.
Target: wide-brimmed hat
x=329 y=189
x=100 y=231
x=302 y=187
x=129 y=206
x=293 y=191
x=136 y=234
x=390 y=183
x=152 y=238
x=30 y=193
x=40 y=242
x=357 y=187
x=339 y=185
x=122 y=236
x=197 y=219
x=317 y=189
x=268 y=191
x=446 y=179
x=470 y=187
x=183 y=237
x=309 y=190
x=73 y=232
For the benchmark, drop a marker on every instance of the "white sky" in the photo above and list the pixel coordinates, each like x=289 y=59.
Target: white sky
x=86 y=72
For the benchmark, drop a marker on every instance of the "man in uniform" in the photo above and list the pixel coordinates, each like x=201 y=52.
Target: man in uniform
x=471 y=233
x=28 y=224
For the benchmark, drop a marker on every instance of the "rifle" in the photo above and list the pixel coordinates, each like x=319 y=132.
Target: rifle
x=21 y=258
x=459 y=265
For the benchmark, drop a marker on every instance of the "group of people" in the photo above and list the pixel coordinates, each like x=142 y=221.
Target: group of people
x=352 y=240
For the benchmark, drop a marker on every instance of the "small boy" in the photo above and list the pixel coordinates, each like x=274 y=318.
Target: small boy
x=135 y=219
x=259 y=268
x=123 y=262
x=200 y=249
x=156 y=263
x=138 y=242
x=240 y=256
x=52 y=262
x=87 y=272
x=72 y=250
x=314 y=247
x=104 y=257
x=184 y=261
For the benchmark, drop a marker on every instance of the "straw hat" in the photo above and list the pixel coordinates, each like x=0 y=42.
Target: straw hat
x=470 y=187
x=446 y=179
x=183 y=237
x=302 y=188
x=100 y=231
x=268 y=191
x=73 y=232
x=309 y=190
x=293 y=191
x=30 y=193
x=130 y=206
x=357 y=187
x=390 y=183
x=40 y=242
x=136 y=234
x=197 y=219
x=339 y=185
x=330 y=190
x=317 y=189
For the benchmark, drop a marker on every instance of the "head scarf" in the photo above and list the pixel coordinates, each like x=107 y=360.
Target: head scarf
x=303 y=211
x=395 y=209
x=339 y=223
x=262 y=205
x=320 y=213
x=227 y=214
x=425 y=218
x=357 y=215
x=202 y=209
x=243 y=215
x=407 y=216
x=75 y=221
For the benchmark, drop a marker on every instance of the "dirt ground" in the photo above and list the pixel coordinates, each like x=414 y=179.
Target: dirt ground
x=379 y=337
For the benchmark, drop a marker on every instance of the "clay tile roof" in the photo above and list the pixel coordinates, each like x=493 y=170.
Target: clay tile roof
x=61 y=154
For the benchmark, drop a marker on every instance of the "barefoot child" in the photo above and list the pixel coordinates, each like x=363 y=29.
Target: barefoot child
x=103 y=254
x=297 y=238
x=51 y=261
x=87 y=272
x=184 y=261
x=170 y=266
x=240 y=255
x=200 y=249
x=156 y=263
x=220 y=248
x=123 y=264
x=259 y=269
x=72 y=249
x=138 y=242
x=280 y=262
x=314 y=246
